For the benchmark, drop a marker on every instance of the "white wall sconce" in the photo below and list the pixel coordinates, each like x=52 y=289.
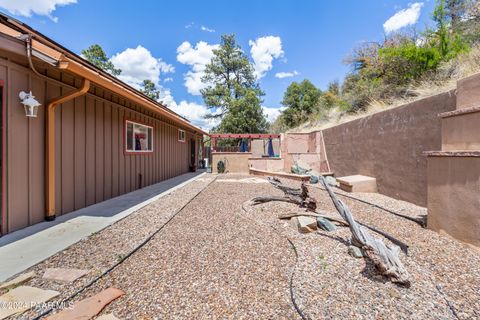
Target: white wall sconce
x=31 y=105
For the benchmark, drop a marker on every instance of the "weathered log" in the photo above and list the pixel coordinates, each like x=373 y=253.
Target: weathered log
x=396 y=241
x=298 y=196
x=384 y=257
x=259 y=200
x=422 y=220
x=308 y=214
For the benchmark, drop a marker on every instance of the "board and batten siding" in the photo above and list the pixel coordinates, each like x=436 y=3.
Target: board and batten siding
x=91 y=163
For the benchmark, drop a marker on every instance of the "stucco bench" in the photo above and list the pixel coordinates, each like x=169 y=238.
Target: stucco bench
x=357 y=183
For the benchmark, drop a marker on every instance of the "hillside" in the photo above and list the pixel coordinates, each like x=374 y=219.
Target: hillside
x=443 y=80
x=405 y=66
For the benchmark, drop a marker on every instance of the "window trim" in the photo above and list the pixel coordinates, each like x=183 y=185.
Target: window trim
x=136 y=152
x=184 y=136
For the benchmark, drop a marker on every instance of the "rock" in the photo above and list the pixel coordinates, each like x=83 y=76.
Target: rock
x=394 y=293
x=23 y=298
x=313 y=179
x=306 y=224
x=331 y=181
x=298 y=170
x=355 y=252
x=17 y=281
x=302 y=164
x=325 y=224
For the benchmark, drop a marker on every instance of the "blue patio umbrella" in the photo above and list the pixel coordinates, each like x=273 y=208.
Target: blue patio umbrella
x=270 y=148
x=243 y=145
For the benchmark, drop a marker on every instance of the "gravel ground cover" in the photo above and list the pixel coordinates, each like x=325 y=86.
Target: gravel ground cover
x=330 y=284
x=215 y=260
x=101 y=250
x=209 y=262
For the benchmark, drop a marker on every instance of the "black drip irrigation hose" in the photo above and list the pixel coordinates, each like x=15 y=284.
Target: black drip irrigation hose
x=292 y=294
x=138 y=247
x=420 y=221
x=292 y=275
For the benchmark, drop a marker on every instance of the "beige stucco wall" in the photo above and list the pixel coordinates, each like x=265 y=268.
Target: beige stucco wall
x=389 y=146
x=306 y=149
x=267 y=164
x=454 y=197
x=461 y=131
x=236 y=162
x=468 y=92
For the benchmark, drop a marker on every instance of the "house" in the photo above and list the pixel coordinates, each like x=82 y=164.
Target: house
x=92 y=138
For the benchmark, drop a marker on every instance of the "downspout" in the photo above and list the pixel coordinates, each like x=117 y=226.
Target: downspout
x=50 y=144
x=50 y=132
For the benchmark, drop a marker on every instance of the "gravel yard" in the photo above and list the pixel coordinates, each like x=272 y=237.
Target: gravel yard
x=215 y=260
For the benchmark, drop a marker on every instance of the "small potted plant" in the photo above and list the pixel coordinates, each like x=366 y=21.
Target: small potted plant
x=193 y=168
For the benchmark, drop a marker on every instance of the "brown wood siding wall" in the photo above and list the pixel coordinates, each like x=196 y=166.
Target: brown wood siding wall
x=91 y=165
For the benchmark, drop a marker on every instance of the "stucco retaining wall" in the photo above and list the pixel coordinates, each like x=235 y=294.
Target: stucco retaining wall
x=453 y=195
x=306 y=149
x=267 y=164
x=236 y=162
x=389 y=146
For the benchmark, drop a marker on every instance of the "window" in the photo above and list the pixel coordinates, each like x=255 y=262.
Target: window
x=181 y=135
x=138 y=137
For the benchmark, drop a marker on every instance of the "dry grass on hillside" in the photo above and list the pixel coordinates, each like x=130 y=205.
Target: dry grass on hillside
x=443 y=80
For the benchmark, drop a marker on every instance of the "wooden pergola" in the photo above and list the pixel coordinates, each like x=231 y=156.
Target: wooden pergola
x=249 y=136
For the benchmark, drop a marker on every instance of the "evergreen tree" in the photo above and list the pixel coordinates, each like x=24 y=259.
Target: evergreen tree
x=150 y=89
x=233 y=94
x=300 y=100
x=98 y=57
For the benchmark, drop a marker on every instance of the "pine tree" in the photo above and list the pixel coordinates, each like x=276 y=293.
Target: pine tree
x=98 y=57
x=233 y=94
x=150 y=89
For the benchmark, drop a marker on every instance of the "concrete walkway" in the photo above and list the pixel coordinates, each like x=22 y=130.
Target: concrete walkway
x=24 y=248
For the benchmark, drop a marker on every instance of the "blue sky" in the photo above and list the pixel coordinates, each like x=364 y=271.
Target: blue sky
x=170 y=41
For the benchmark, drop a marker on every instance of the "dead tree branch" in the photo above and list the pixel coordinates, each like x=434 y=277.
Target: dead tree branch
x=385 y=257
x=308 y=214
x=292 y=195
x=394 y=240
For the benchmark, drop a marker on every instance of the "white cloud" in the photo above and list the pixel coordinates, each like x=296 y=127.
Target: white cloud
x=166 y=97
x=192 y=111
x=139 y=64
x=263 y=51
x=165 y=67
x=281 y=75
x=403 y=18
x=195 y=113
x=207 y=29
x=197 y=57
x=271 y=113
x=28 y=7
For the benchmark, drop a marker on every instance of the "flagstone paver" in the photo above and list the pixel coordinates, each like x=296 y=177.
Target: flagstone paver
x=17 y=281
x=89 y=307
x=64 y=274
x=22 y=298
